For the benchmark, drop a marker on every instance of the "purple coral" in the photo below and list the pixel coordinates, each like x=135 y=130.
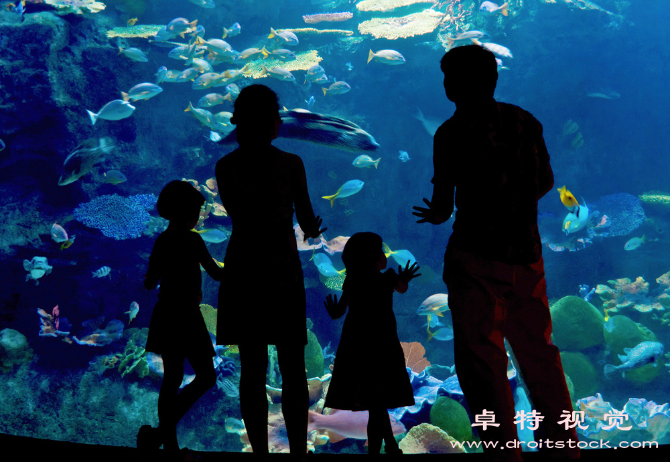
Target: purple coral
x=624 y=210
x=116 y=216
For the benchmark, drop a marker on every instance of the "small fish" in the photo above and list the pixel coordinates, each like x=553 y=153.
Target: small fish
x=634 y=243
x=491 y=9
x=135 y=54
x=2 y=145
x=114 y=177
x=606 y=94
x=160 y=75
x=281 y=54
x=19 y=8
x=337 y=88
x=59 y=235
x=198 y=32
x=567 y=198
x=102 y=272
x=278 y=73
x=495 y=48
x=131 y=22
x=204 y=116
x=163 y=35
x=234 y=30
x=83 y=158
x=577 y=220
x=642 y=354
x=248 y=53
x=188 y=74
x=206 y=80
x=365 y=161
x=233 y=92
x=215 y=136
x=310 y=102
x=391 y=57
x=233 y=425
x=216 y=45
x=403 y=156
x=325 y=266
x=231 y=75
x=402 y=257
x=443 y=334
x=349 y=188
x=315 y=72
x=179 y=25
x=213 y=235
x=114 y=110
x=134 y=309
x=141 y=91
x=203 y=3
x=349 y=66
x=285 y=36
x=465 y=38
x=211 y=99
x=434 y=305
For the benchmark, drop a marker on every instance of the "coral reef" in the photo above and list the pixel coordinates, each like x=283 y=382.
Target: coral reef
x=209 y=314
x=624 y=295
x=402 y=27
x=116 y=216
x=656 y=202
x=429 y=439
x=14 y=350
x=327 y=17
x=332 y=282
x=576 y=324
x=133 y=358
x=76 y=6
x=624 y=211
x=313 y=31
x=304 y=60
x=582 y=373
x=388 y=5
x=450 y=416
x=138 y=31
x=414 y=356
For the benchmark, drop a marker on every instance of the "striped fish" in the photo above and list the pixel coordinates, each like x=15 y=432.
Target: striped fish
x=102 y=272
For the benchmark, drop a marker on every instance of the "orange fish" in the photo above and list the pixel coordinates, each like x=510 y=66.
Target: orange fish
x=131 y=22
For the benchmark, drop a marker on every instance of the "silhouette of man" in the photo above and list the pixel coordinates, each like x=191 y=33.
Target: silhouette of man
x=262 y=294
x=493 y=156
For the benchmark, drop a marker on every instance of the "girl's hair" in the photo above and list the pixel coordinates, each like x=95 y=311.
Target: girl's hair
x=179 y=200
x=361 y=253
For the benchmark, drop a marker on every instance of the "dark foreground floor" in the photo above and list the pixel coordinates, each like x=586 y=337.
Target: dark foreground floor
x=29 y=449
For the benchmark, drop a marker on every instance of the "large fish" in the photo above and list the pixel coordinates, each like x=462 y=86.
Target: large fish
x=83 y=158
x=320 y=129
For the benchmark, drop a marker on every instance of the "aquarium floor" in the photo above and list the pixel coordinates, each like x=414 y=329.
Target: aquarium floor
x=30 y=449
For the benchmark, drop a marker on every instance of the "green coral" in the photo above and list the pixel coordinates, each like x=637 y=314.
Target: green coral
x=582 y=374
x=133 y=358
x=576 y=324
x=451 y=417
x=313 y=356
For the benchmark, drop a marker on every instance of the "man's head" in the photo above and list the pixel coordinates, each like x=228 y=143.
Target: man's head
x=256 y=115
x=470 y=74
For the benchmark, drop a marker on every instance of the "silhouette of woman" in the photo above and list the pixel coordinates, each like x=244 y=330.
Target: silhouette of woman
x=369 y=335
x=177 y=330
x=262 y=294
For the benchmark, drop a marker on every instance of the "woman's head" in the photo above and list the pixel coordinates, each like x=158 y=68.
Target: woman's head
x=179 y=201
x=362 y=253
x=256 y=115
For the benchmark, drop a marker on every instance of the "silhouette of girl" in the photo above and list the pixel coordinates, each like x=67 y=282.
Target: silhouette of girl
x=369 y=337
x=262 y=294
x=177 y=330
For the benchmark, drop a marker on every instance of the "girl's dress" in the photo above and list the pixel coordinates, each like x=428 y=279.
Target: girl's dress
x=369 y=369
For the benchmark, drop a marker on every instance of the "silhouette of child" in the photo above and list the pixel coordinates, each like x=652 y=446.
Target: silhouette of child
x=369 y=337
x=177 y=330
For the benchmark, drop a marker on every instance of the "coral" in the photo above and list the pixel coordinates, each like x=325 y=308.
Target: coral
x=304 y=60
x=414 y=356
x=313 y=356
x=582 y=373
x=116 y=216
x=133 y=358
x=327 y=17
x=450 y=416
x=99 y=338
x=625 y=285
x=664 y=280
x=209 y=314
x=623 y=295
x=576 y=324
x=48 y=326
x=313 y=31
x=429 y=439
x=76 y=6
x=138 y=31
x=657 y=202
x=14 y=349
x=388 y=5
x=332 y=282
x=402 y=27
x=624 y=210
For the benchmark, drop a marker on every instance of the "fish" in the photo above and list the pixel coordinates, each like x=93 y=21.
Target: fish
x=210 y=99
x=163 y=35
x=577 y=220
x=37 y=267
x=320 y=129
x=233 y=425
x=114 y=110
x=349 y=188
x=141 y=91
x=198 y=32
x=436 y=304
x=495 y=48
x=443 y=334
x=2 y=145
x=491 y=9
x=179 y=25
x=233 y=92
x=365 y=161
x=160 y=75
x=234 y=30
x=206 y=80
x=642 y=354
x=202 y=66
x=310 y=102
x=19 y=8
x=83 y=158
x=248 y=53
x=102 y=272
x=216 y=46
x=213 y=235
x=431 y=124
x=349 y=66
x=346 y=424
x=114 y=177
x=634 y=243
x=605 y=94
x=285 y=36
x=135 y=54
x=391 y=57
x=403 y=156
x=213 y=136
x=465 y=38
x=567 y=198
x=337 y=88
x=314 y=73
x=402 y=257
x=203 y=3
x=132 y=313
x=188 y=74
x=281 y=54
x=204 y=116
x=231 y=75
x=131 y=22
x=325 y=266
x=278 y=73
x=59 y=235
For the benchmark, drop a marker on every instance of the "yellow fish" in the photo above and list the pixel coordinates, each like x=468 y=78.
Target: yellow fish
x=131 y=22
x=567 y=198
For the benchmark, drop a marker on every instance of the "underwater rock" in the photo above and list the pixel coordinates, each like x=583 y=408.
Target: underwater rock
x=450 y=416
x=576 y=324
x=429 y=439
x=582 y=373
x=14 y=349
x=313 y=356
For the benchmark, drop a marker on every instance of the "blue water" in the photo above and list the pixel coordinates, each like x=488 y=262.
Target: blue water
x=50 y=78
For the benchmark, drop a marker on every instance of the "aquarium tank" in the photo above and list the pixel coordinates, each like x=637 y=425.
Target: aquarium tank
x=102 y=103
